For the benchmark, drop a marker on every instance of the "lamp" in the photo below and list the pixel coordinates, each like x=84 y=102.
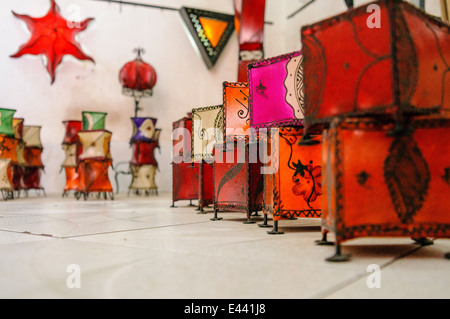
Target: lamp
x=138 y=79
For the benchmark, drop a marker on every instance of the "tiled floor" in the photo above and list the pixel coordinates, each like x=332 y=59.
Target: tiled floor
x=138 y=247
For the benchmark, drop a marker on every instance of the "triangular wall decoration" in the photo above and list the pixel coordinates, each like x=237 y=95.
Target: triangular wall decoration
x=210 y=32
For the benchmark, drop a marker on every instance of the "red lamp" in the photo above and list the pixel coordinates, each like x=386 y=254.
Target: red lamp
x=138 y=79
x=53 y=37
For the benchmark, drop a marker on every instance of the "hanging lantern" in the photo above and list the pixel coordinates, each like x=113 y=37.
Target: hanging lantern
x=138 y=79
x=53 y=37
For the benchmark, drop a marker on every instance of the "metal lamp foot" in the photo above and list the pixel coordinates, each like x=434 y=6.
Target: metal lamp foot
x=338 y=256
x=265 y=224
x=423 y=241
x=324 y=241
x=275 y=230
x=215 y=218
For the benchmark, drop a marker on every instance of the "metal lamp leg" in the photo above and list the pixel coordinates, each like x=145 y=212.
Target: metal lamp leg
x=338 y=256
x=265 y=222
x=275 y=231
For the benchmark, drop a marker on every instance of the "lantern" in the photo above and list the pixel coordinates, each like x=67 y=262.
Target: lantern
x=5 y=174
x=95 y=145
x=72 y=149
x=237 y=179
x=18 y=128
x=207 y=130
x=93 y=178
x=32 y=136
x=185 y=175
x=293 y=183
x=143 y=178
x=8 y=148
x=72 y=129
x=144 y=153
x=408 y=178
x=143 y=129
x=6 y=121
x=276 y=91
x=53 y=37
x=93 y=120
x=236 y=110
x=71 y=152
x=137 y=79
x=72 y=179
x=352 y=67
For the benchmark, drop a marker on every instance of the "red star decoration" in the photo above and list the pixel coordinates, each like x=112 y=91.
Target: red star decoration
x=54 y=37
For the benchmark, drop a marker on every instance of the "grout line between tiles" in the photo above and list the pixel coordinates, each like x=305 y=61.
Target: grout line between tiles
x=96 y=234
x=328 y=292
x=130 y=230
x=27 y=233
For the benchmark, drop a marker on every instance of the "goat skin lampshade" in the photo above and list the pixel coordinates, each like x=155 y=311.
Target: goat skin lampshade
x=95 y=145
x=237 y=180
x=6 y=121
x=207 y=130
x=236 y=113
x=5 y=174
x=182 y=139
x=294 y=189
x=32 y=136
x=93 y=120
x=398 y=69
x=8 y=148
x=93 y=177
x=72 y=128
x=137 y=76
x=408 y=177
x=276 y=91
x=143 y=177
x=143 y=129
x=144 y=153
x=18 y=128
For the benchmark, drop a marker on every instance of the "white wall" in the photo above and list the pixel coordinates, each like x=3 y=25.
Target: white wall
x=183 y=80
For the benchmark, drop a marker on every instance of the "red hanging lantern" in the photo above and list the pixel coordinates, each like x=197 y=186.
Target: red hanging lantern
x=53 y=37
x=138 y=79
